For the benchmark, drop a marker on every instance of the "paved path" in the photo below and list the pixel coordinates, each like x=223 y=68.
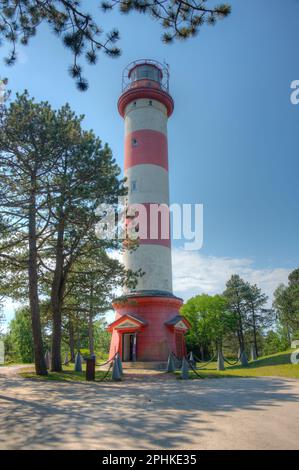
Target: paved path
x=149 y=413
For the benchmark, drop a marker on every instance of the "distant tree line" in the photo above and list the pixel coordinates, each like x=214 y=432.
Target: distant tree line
x=19 y=345
x=239 y=320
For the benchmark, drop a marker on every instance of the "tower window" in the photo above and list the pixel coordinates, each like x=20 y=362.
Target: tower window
x=134 y=142
x=133 y=186
x=150 y=103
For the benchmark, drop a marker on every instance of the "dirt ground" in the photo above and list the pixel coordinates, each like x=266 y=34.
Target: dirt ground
x=149 y=411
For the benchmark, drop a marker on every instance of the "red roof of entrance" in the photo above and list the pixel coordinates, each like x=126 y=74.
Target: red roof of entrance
x=175 y=320
x=128 y=317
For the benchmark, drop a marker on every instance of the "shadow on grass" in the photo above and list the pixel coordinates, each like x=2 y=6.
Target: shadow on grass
x=278 y=359
x=67 y=376
x=275 y=365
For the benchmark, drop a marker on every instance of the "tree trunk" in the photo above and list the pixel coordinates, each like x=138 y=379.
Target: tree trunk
x=90 y=324
x=240 y=341
x=241 y=334
x=254 y=333
x=202 y=353
x=220 y=359
x=56 y=339
x=57 y=302
x=39 y=359
x=90 y=334
x=72 y=341
x=289 y=334
x=78 y=338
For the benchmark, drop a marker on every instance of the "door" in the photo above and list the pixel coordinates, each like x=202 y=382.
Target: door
x=179 y=344
x=129 y=347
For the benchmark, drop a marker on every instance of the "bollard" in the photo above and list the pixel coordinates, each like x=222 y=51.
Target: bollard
x=78 y=363
x=191 y=358
x=253 y=353
x=243 y=359
x=220 y=361
x=116 y=375
x=185 y=370
x=170 y=364
x=48 y=360
x=66 y=359
x=119 y=363
x=90 y=368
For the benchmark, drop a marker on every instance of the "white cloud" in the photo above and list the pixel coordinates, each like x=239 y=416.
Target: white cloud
x=195 y=273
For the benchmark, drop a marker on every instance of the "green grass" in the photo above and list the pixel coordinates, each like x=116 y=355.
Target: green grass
x=68 y=375
x=11 y=363
x=276 y=365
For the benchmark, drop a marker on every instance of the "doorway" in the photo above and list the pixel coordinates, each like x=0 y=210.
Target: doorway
x=129 y=347
x=180 y=344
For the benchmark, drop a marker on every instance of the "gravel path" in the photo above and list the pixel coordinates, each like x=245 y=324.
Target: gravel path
x=150 y=411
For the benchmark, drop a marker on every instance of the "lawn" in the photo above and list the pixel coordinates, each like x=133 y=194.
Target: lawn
x=68 y=375
x=276 y=365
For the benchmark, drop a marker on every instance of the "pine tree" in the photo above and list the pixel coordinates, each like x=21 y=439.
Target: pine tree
x=29 y=143
x=286 y=304
x=259 y=318
x=80 y=33
x=236 y=295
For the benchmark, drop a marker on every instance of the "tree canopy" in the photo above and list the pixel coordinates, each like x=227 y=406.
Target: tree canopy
x=49 y=192
x=81 y=33
x=286 y=304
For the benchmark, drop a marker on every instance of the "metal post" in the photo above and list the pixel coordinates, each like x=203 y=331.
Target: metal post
x=66 y=359
x=170 y=364
x=191 y=358
x=48 y=360
x=120 y=366
x=243 y=359
x=253 y=353
x=185 y=370
x=116 y=375
x=78 y=362
x=220 y=360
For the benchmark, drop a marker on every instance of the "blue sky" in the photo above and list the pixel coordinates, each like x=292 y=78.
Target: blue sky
x=233 y=137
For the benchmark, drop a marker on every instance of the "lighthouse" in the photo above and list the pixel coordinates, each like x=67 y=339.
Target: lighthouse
x=147 y=324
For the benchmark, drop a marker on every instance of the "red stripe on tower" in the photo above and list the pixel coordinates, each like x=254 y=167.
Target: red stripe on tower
x=151 y=221
x=146 y=146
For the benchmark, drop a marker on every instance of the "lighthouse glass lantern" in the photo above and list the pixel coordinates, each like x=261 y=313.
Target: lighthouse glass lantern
x=147 y=324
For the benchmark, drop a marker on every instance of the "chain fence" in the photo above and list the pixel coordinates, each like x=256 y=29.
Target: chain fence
x=193 y=368
x=203 y=364
x=103 y=379
x=234 y=363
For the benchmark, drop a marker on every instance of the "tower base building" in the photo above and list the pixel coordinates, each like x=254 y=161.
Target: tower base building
x=147 y=324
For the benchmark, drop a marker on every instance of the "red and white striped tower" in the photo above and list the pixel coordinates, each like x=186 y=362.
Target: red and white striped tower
x=147 y=325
